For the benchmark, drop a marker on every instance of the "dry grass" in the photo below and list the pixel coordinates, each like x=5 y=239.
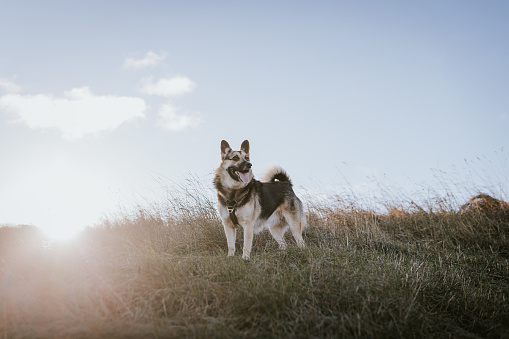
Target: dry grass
x=162 y=272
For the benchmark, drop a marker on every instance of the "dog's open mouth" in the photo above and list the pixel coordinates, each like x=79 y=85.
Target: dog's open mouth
x=240 y=175
x=243 y=176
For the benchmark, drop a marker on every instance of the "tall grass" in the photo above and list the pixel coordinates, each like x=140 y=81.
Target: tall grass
x=412 y=270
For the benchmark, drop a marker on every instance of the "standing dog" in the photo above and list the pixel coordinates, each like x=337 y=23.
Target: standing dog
x=255 y=205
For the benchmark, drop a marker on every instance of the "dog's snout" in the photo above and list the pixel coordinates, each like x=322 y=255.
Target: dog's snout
x=249 y=165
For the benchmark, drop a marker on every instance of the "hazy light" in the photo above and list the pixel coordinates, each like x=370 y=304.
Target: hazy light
x=62 y=233
x=60 y=198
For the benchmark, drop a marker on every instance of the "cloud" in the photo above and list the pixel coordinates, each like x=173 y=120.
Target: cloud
x=9 y=86
x=77 y=114
x=150 y=59
x=171 y=87
x=168 y=87
x=169 y=119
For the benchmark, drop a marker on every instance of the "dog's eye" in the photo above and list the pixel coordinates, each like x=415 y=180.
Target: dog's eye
x=247 y=158
x=235 y=158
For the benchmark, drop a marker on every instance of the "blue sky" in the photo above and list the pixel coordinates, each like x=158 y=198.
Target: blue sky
x=98 y=97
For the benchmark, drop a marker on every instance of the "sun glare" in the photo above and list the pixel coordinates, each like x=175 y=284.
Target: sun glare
x=62 y=234
x=60 y=198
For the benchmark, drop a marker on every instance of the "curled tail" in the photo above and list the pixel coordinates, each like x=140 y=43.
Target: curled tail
x=275 y=172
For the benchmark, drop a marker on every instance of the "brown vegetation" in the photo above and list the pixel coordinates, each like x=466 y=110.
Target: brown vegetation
x=163 y=272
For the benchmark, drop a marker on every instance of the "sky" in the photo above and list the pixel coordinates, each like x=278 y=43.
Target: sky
x=99 y=100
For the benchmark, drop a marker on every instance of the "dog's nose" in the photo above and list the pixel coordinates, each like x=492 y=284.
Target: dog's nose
x=249 y=165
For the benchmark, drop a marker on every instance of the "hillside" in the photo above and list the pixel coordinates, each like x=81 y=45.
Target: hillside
x=411 y=271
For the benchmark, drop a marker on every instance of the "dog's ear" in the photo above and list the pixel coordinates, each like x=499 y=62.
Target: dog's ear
x=245 y=146
x=225 y=149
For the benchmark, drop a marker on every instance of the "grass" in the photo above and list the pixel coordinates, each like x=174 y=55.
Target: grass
x=162 y=272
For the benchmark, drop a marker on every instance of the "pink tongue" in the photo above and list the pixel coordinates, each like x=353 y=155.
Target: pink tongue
x=244 y=177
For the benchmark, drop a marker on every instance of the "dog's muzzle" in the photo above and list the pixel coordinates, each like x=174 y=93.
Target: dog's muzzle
x=241 y=173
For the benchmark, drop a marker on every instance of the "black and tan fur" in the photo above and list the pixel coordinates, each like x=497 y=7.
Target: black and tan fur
x=255 y=205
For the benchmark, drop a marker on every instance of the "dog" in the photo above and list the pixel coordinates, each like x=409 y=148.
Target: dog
x=255 y=205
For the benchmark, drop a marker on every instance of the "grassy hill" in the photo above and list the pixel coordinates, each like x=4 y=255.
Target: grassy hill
x=411 y=271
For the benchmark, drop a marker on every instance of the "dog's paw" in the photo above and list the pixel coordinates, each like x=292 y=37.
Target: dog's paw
x=246 y=257
x=301 y=244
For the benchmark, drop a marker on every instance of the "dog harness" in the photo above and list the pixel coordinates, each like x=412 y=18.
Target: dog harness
x=230 y=206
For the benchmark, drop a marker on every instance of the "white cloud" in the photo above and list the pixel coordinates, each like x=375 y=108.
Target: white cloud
x=9 y=86
x=76 y=114
x=169 y=119
x=168 y=87
x=150 y=59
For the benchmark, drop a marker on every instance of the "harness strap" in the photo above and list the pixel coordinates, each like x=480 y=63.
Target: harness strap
x=230 y=206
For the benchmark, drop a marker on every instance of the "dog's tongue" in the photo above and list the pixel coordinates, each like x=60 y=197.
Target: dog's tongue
x=244 y=177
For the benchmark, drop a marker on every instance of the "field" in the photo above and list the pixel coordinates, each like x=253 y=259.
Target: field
x=433 y=270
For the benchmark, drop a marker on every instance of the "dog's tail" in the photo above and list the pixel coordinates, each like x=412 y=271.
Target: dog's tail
x=275 y=172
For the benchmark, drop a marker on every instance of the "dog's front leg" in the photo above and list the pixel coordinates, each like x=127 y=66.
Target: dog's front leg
x=248 y=240
x=230 y=232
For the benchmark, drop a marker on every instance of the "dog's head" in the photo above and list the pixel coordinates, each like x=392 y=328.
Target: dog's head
x=237 y=163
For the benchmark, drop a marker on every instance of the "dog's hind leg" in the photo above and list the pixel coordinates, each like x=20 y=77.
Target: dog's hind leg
x=297 y=223
x=278 y=231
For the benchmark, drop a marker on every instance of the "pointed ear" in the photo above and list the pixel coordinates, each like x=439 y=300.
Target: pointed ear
x=225 y=149
x=245 y=146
